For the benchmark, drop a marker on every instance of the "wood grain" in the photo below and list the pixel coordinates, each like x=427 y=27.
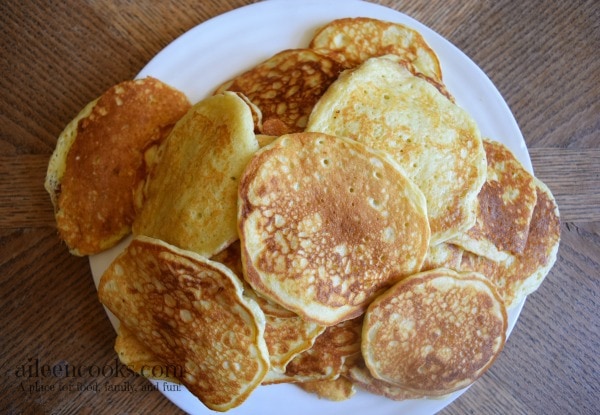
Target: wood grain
x=24 y=203
x=57 y=56
x=572 y=176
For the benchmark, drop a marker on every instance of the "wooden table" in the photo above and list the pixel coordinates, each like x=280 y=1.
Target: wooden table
x=57 y=56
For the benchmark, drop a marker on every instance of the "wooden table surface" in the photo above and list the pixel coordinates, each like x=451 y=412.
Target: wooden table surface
x=57 y=56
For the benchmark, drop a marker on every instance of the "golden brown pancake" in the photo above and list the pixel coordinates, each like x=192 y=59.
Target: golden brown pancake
x=520 y=275
x=137 y=357
x=338 y=389
x=434 y=332
x=285 y=88
x=326 y=224
x=191 y=313
x=191 y=195
x=353 y=40
x=98 y=161
x=358 y=373
x=504 y=207
x=325 y=359
x=286 y=337
x=384 y=106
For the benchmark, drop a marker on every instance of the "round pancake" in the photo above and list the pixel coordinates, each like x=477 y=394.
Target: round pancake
x=504 y=207
x=384 y=106
x=285 y=88
x=326 y=224
x=434 y=332
x=520 y=275
x=191 y=194
x=98 y=161
x=353 y=40
x=191 y=313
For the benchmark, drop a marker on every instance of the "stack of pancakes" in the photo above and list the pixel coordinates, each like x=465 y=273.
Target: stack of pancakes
x=330 y=217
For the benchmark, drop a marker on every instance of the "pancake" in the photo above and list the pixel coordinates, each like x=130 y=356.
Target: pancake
x=504 y=207
x=232 y=258
x=353 y=40
x=137 y=357
x=325 y=359
x=384 y=106
x=434 y=332
x=443 y=255
x=269 y=307
x=265 y=140
x=520 y=275
x=286 y=337
x=191 y=313
x=285 y=88
x=98 y=160
x=337 y=390
x=326 y=224
x=191 y=195
x=357 y=372
x=286 y=334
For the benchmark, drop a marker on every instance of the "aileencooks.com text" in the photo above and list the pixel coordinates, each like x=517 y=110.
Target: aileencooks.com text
x=36 y=369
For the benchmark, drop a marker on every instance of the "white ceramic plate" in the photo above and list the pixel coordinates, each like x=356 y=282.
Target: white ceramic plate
x=224 y=46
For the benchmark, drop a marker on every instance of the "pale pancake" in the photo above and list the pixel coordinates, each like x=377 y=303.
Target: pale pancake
x=326 y=224
x=286 y=334
x=353 y=40
x=434 y=332
x=98 y=161
x=358 y=373
x=384 y=106
x=191 y=313
x=285 y=88
x=338 y=389
x=520 y=275
x=191 y=196
x=504 y=207
x=139 y=358
x=443 y=255
x=325 y=359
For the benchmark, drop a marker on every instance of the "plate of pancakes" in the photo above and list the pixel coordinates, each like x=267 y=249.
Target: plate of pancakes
x=311 y=205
